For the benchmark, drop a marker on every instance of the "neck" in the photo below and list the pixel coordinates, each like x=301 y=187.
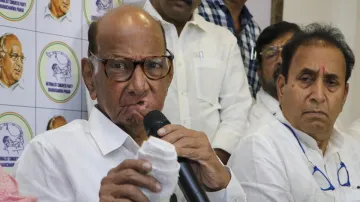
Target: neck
x=54 y=12
x=323 y=145
x=7 y=82
x=178 y=24
x=235 y=8
x=138 y=134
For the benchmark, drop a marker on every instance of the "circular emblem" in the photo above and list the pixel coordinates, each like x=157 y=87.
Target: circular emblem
x=15 y=133
x=94 y=9
x=59 y=72
x=15 y=10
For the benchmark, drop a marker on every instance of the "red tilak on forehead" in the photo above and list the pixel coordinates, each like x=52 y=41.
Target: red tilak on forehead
x=322 y=68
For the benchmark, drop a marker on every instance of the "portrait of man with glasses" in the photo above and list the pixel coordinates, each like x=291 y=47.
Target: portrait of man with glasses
x=11 y=62
x=299 y=155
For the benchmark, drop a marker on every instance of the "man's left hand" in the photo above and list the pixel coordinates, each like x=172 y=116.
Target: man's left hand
x=195 y=146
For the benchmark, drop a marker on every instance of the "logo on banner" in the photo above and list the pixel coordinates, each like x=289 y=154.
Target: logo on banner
x=15 y=10
x=59 y=72
x=94 y=9
x=15 y=133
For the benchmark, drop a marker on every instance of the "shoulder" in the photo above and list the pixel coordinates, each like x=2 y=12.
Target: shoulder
x=215 y=31
x=62 y=137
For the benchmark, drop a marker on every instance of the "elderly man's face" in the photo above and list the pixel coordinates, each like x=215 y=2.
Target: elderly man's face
x=12 y=62
x=61 y=5
x=271 y=63
x=316 y=91
x=124 y=102
x=177 y=10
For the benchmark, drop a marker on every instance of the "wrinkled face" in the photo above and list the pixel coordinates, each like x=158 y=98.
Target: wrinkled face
x=61 y=5
x=13 y=60
x=176 y=10
x=315 y=91
x=271 y=63
x=124 y=101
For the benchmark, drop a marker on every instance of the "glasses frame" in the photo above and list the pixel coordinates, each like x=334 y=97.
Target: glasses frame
x=316 y=169
x=279 y=49
x=135 y=63
x=22 y=57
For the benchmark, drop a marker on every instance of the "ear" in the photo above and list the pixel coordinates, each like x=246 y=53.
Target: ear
x=88 y=73
x=345 y=93
x=280 y=85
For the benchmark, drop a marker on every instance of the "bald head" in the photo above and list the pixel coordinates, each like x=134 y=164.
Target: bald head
x=126 y=26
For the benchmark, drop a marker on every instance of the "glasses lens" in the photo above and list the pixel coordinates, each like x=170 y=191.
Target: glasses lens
x=321 y=179
x=157 y=67
x=343 y=176
x=271 y=51
x=119 y=70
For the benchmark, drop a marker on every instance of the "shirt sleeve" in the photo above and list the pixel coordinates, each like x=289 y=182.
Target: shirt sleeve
x=39 y=173
x=232 y=193
x=235 y=101
x=260 y=171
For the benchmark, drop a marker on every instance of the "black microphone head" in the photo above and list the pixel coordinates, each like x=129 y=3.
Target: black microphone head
x=153 y=121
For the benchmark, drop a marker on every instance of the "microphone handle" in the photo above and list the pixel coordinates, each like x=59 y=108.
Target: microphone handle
x=190 y=186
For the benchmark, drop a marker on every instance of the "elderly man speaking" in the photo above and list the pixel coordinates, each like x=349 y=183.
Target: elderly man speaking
x=128 y=72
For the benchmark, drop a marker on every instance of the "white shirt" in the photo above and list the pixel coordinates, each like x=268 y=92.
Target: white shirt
x=209 y=91
x=16 y=86
x=354 y=129
x=265 y=105
x=49 y=16
x=271 y=166
x=68 y=164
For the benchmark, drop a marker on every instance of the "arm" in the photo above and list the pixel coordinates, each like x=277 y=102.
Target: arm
x=235 y=101
x=260 y=171
x=40 y=173
x=233 y=192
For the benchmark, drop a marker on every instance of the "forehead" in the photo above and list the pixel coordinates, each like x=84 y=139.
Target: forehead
x=130 y=39
x=316 y=56
x=11 y=42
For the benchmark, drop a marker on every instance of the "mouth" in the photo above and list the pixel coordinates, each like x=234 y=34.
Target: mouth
x=141 y=103
x=316 y=113
x=184 y=2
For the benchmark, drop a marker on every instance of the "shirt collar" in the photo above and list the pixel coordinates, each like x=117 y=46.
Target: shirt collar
x=18 y=84
x=195 y=20
x=270 y=103
x=66 y=16
x=107 y=135
x=336 y=140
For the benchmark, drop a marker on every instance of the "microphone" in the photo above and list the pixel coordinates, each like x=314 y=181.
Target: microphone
x=188 y=181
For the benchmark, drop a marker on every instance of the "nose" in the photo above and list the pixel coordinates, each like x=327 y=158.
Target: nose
x=138 y=84
x=318 y=91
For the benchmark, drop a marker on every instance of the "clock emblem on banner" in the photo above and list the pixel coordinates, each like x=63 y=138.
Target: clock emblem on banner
x=15 y=10
x=59 y=72
x=15 y=133
x=93 y=9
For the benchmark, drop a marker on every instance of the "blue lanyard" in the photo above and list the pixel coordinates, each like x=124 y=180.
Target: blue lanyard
x=316 y=169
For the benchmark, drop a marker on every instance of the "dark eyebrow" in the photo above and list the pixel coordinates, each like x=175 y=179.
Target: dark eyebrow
x=307 y=71
x=331 y=76
x=312 y=72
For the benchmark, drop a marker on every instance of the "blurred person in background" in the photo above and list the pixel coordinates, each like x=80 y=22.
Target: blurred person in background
x=236 y=17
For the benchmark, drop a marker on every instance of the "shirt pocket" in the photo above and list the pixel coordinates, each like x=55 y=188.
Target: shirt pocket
x=209 y=74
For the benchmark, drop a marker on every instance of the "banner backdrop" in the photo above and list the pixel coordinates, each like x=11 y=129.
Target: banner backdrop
x=41 y=46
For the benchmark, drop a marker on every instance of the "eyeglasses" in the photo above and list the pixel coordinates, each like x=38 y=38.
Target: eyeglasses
x=121 y=69
x=14 y=56
x=271 y=51
x=320 y=177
